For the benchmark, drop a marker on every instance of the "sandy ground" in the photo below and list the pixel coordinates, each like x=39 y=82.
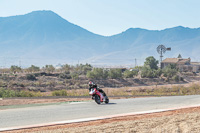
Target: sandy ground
x=178 y=121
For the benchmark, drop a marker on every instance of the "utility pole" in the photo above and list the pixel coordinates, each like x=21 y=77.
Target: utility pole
x=135 y=62
x=19 y=63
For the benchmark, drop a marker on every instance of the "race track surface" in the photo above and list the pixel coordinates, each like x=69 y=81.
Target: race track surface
x=39 y=115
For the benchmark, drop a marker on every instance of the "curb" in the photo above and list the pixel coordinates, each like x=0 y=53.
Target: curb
x=94 y=118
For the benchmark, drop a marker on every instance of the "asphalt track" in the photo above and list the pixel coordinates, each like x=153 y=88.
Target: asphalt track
x=83 y=111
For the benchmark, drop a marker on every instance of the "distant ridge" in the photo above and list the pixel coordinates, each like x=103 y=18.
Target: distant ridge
x=43 y=37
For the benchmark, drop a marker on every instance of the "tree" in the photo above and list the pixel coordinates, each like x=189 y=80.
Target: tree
x=97 y=73
x=147 y=72
x=115 y=73
x=74 y=75
x=179 y=56
x=33 y=69
x=65 y=68
x=151 y=62
x=129 y=74
x=170 y=71
x=15 y=69
x=85 y=68
x=49 y=68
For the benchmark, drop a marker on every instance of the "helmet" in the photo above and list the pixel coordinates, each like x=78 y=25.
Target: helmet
x=90 y=83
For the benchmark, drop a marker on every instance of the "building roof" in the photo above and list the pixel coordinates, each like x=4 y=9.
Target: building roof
x=170 y=60
x=176 y=60
x=183 y=61
x=195 y=63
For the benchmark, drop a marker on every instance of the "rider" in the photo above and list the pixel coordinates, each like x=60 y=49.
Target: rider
x=93 y=85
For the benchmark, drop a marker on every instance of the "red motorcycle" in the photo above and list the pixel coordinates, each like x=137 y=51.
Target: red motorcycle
x=98 y=96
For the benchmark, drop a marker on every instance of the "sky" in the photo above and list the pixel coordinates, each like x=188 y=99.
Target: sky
x=109 y=17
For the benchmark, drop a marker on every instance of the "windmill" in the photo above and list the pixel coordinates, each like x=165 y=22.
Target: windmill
x=161 y=49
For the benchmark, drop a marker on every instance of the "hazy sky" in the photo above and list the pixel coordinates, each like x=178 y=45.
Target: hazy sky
x=108 y=17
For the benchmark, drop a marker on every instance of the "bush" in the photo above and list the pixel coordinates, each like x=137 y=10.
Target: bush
x=65 y=75
x=7 y=93
x=115 y=73
x=12 y=93
x=49 y=68
x=74 y=75
x=129 y=74
x=33 y=68
x=31 y=77
x=59 y=93
x=175 y=78
x=15 y=69
x=97 y=73
x=170 y=71
x=147 y=72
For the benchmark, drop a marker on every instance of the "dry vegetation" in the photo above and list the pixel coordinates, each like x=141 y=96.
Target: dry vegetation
x=36 y=82
x=53 y=85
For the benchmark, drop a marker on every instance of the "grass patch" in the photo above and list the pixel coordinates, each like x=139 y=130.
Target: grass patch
x=194 y=89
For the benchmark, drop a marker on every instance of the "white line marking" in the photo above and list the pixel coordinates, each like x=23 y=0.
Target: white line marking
x=77 y=102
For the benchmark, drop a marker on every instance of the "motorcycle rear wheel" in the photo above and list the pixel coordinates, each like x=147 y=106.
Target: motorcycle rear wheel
x=107 y=100
x=97 y=99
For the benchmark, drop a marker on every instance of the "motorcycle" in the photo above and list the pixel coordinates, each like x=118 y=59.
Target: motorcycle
x=98 y=96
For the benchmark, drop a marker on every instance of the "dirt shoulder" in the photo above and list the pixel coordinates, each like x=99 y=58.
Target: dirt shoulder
x=182 y=120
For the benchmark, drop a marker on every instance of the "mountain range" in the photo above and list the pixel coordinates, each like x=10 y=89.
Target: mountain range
x=43 y=37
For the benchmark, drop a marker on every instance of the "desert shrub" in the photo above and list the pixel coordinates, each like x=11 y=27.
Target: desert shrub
x=84 y=86
x=65 y=68
x=49 y=68
x=37 y=74
x=170 y=71
x=28 y=94
x=31 y=77
x=15 y=69
x=129 y=74
x=60 y=82
x=13 y=93
x=59 y=93
x=147 y=72
x=50 y=83
x=84 y=68
x=74 y=75
x=33 y=69
x=7 y=93
x=181 y=78
x=175 y=78
x=4 y=76
x=195 y=89
x=115 y=73
x=97 y=73
x=65 y=75
x=184 y=91
x=3 y=84
x=91 y=75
